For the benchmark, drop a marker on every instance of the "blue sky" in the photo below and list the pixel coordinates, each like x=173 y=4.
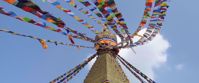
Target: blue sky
x=22 y=60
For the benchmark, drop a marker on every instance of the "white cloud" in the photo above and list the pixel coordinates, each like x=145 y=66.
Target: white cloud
x=147 y=57
x=179 y=66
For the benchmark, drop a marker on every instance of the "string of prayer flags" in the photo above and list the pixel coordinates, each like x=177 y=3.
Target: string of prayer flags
x=92 y=8
x=110 y=15
x=107 y=11
x=29 y=20
x=44 y=25
x=146 y=16
x=135 y=74
x=113 y=25
x=86 y=12
x=29 y=6
x=43 y=41
x=110 y=11
x=136 y=70
x=80 y=35
x=71 y=39
x=71 y=73
x=70 y=13
x=155 y=23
